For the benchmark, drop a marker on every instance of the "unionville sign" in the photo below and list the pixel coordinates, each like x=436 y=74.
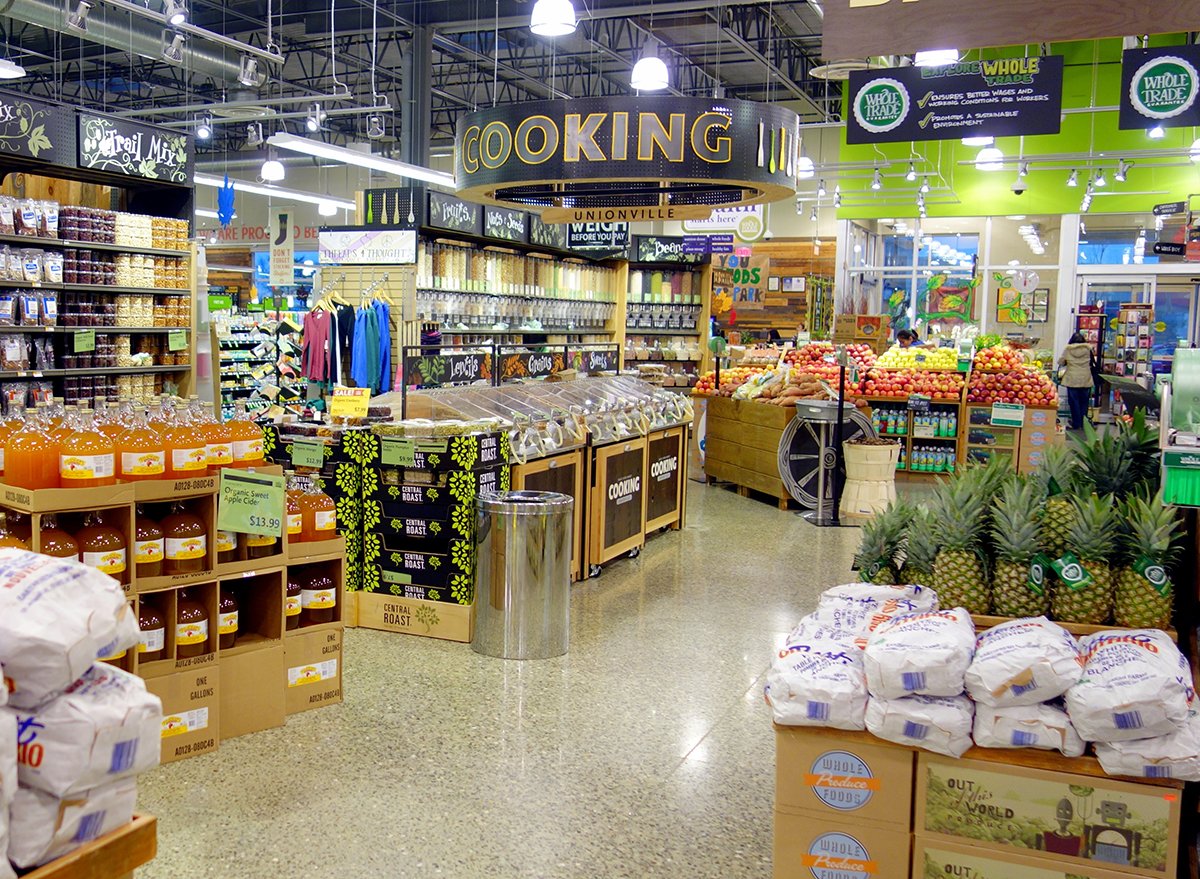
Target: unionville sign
x=617 y=160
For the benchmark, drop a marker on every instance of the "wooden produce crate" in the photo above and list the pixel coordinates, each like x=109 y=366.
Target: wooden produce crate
x=113 y=855
x=742 y=445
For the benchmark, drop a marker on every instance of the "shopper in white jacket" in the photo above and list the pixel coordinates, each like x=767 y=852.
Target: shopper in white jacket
x=1076 y=365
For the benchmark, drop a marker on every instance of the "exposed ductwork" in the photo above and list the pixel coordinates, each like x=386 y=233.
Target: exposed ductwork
x=127 y=32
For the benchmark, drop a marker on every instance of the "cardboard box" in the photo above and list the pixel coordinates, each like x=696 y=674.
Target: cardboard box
x=1070 y=819
x=1035 y=441
x=395 y=488
x=872 y=326
x=982 y=456
x=433 y=530
x=410 y=616
x=397 y=564
x=996 y=437
x=151 y=490
x=252 y=694
x=312 y=673
x=955 y=861
x=842 y=779
x=166 y=603
x=61 y=500
x=260 y=598
x=204 y=506
x=191 y=712
x=315 y=550
x=475 y=451
x=807 y=846
x=335 y=570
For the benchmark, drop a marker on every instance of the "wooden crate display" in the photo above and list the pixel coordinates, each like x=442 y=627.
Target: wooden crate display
x=616 y=518
x=742 y=444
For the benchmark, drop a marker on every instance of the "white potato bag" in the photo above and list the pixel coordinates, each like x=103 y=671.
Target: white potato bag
x=1175 y=755
x=936 y=723
x=105 y=726
x=56 y=618
x=920 y=654
x=44 y=827
x=818 y=684
x=861 y=607
x=1023 y=662
x=1044 y=726
x=1135 y=684
x=8 y=785
x=809 y=630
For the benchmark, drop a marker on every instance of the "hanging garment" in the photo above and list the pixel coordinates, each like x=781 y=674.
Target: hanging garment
x=314 y=353
x=343 y=331
x=365 y=368
x=383 y=315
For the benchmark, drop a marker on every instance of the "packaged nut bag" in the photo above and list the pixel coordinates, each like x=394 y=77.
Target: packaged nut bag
x=56 y=618
x=104 y=727
x=44 y=827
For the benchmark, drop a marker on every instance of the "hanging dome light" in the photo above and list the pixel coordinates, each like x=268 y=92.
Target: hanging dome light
x=272 y=168
x=650 y=73
x=1195 y=151
x=989 y=159
x=327 y=209
x=1156 y=133
x=553 y=18
x=806 y=169
x=935 y=57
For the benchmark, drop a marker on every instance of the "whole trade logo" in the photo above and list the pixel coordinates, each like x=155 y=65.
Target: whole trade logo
x=841 y=781
x=882 y=106
x=1164 y=87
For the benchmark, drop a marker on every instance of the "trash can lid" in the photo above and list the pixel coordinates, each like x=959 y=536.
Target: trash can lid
x=525 y=503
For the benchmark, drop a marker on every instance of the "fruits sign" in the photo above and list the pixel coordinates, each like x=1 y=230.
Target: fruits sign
x=1160 y=87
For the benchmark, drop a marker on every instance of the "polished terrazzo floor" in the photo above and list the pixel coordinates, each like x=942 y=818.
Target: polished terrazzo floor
x=645 y=751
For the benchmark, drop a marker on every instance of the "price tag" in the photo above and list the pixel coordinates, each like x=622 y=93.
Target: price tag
x=918 y=403
x=250 y=503
x=177 y=340
x=398 y=452
x=309 y=454
x=1008 y=414
x=84 y=341
x=920 y=358
x=350 y=402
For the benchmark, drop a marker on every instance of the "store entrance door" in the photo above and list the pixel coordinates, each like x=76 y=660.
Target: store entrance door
x=1174 y=320
x=1112 y=292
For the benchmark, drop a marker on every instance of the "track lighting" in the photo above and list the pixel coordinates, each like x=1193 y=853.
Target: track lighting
x=77 y=20
x=1156 y=133
x=820 y=189
x=912 y=172
x=1073 y=180
x=837 y=199
x=814 y=214
x=1100 y=179
x=650 y=73
x=254 y=134
x=1122 y=170
x=248 y=73
x=204 y=128
x=552 y=18
x=174 y=52
x=313 y=122
x=374 y=126
x=877 y=181
x=175 y=11
x=272 y=168
x=1022 y=169
x=924 y=184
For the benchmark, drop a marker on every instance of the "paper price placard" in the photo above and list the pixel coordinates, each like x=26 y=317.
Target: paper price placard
x=84 y=341
x=177 y=340
x=349 y=402
x=250 y=503
x=309 y=454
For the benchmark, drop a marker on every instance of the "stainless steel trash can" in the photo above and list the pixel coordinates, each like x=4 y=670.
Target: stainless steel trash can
x=523 y=574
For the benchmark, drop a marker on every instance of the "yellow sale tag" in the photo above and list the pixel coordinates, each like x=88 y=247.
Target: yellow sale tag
x=349 y=402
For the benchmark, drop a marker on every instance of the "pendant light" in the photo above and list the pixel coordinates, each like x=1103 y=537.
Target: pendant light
x=552 y=18
x=911 y=176
x=204 y=128
x=77 y=20
x=175 y=11
x=820 y=189
x=806 y=169
x=173 y=53
x=10 y=69
x=1073 y=180
x=1122 y=170
x=877 y=180
x=1101 y=180
x=650 y=73
x=1156 y=133
x=989 y=159
x=924 y=184
x=935 y=58
x=272 y=168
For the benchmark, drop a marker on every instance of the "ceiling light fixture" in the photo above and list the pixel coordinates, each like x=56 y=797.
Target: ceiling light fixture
x=313 y=121
x=1122 y=170
x=248 y=73
x=1022 y=169
x=310 y=147
x=1156 y=133
x=1073 y=180
x=924 y=184
x=173 y=53
x=935 y=57
x=989 y=159
x=273 y=191
x=980 y=140
x=10 y=69
x=837 y=199
x=204 y=127
x=272 y=169
x=805 y=168
x=77 y=20
x=820 y=189
x=553 y=18
x=374 y=126
x=650 y=73
x=254 y=134
x=327 y=209
x=877 y=181
x=912 y=172
x=1100 y=179
x=175 y=11
x=814 y=214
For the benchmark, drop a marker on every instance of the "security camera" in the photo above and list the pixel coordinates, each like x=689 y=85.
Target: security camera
x=1019 y=186
x=767 y=236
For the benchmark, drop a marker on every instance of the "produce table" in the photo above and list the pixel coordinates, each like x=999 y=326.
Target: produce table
x=112 y=856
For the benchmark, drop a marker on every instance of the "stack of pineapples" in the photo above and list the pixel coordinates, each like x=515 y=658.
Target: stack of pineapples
x=1090 y=510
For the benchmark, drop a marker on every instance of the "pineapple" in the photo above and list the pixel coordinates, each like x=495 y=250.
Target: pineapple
x=1091 y=540
x=1016 y=533
x=994 y=475
x=958 y=514
x=1058 y=476
x=1141 y=442
x=920 y=550
x=1106 y=465
x=1144 y=590
x=881 y=541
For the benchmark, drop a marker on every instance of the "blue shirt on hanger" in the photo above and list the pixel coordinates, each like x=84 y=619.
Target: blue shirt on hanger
x=383 y=318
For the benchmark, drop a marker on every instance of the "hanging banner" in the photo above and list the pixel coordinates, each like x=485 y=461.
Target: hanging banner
x=505 y=225
x=747 y=222
x=36 y=130
x=1004 y=98
x=435 y=370
x=120 y=146
x=283 y=250
x=740 y=282
x=375 y=247
x=1159 y=87
x=598 y=236
x=858 y=28
x=454 y=214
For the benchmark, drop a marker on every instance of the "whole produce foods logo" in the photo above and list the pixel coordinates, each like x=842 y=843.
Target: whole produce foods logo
x=841 y=781
x=838 y=856
x=881 y=106
x=1163 y=87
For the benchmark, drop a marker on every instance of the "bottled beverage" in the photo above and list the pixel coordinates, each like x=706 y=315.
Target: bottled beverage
x=56 y=542
x=318 y=515
x=125 y=409
x=227 y=620
x=86 y=458
x=191 y=627
x=226 y=547
x=59 y=426
x=259 y=546
x=31 y=457
x=185 y=541
x=157 y=419
x=184 y=445
x=152 y=641
x=247 y=438
x=292 y=604
x=292 y=508
x=891 y=421
x=950 y=455
x=21 y=526
x=939 y=460
x=318 y=599
x=902 y=422
x=148 y=547
x=56 y=414
x=104 y=548
x=140 y=451
x=900 y=459
x=8 y=537
x=217 y=436
x=7 y=427
x=108 y=421
x=944 y=424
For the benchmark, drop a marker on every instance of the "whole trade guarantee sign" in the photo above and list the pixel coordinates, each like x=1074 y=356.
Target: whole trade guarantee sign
x=1159 y=87
x=626 y=159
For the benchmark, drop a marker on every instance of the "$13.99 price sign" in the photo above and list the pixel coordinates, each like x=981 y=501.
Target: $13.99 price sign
x=250 y=503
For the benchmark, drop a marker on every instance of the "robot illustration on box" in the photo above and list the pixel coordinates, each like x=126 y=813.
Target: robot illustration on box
x=1062 y=841
x=1110 y=840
